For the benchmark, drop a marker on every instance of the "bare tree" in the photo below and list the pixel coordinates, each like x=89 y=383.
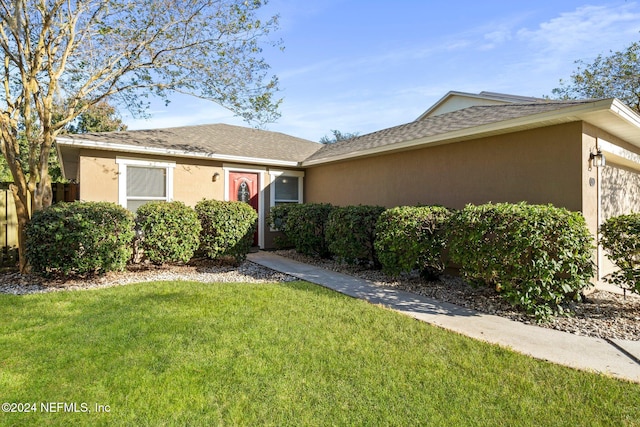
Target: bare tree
x=79 y=53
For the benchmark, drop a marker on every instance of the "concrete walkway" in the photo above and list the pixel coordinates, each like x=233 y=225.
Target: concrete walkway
x=617 y=358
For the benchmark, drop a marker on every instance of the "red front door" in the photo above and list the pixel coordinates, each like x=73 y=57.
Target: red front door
x=243 y=186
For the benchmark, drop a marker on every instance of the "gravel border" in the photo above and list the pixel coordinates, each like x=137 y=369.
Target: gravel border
x=603 y=314
x=200 y=270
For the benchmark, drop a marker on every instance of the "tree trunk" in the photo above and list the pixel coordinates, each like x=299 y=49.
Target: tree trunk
x=43 y=196
x=22 y=212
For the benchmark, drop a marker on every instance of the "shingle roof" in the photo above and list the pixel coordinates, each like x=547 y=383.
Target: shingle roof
x=247 y=143
x=213 y=139
x=439 y=125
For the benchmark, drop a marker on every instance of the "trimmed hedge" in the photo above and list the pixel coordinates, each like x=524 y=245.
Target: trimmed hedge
x=305 y=228
x=79 y=238
x=412 y=237
x=227 y=228
x=537 y=257
x=351 y=233
x=170 y=231
x=621 y=239
x=278 y=217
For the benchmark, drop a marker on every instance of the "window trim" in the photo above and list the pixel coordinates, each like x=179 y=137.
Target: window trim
x=273 y=174
x=123 y=163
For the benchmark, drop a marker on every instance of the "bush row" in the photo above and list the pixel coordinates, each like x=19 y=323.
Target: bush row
x=537 y=257
x=87 y=238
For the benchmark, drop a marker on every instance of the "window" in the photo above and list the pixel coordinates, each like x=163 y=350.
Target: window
x=244 y=194
x=286 y=187
x=144 y=181
x=286 y=190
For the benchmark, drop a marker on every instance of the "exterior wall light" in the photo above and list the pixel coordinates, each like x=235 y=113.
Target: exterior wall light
x=215 y=177
x=596 y=159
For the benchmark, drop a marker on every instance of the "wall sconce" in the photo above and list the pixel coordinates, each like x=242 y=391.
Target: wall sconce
x=596 y=159
x=215 y=177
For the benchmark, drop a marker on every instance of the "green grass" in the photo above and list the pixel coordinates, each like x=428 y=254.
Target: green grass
x=181 y=353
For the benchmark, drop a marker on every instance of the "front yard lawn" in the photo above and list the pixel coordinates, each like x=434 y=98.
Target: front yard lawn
x=186 y=353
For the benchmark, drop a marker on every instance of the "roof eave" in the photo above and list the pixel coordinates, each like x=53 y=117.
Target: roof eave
x=582 y=112
x=80 y=143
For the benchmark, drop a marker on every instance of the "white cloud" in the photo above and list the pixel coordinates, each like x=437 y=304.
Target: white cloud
x=588 y=29
x=393 y=82
x=496 y=38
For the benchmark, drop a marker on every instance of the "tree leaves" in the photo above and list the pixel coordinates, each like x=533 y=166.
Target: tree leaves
x=77 y=54
x=613 y=76
x=621 y=239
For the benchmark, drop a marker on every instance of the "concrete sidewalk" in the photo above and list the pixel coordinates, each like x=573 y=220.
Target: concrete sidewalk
x=617 y=358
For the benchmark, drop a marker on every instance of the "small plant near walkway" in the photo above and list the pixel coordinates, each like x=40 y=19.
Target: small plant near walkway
x=621 y=239
x=227 y=228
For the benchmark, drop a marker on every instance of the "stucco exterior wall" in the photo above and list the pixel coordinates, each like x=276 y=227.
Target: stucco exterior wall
x=590 y=179
x=618 y=184
x=98 y=176
x=538 y=166
x=192 y=178
x=193 y=181
x=620 y=191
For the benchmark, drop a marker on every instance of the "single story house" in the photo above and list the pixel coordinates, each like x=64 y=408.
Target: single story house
x=466 y=148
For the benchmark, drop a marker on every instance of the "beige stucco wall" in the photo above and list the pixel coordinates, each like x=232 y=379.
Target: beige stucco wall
x=590 y=179
x=618 y=186
x=537 y=166
x=192 y=178
x=98 y=176
x=620 y=190
x=193 y=181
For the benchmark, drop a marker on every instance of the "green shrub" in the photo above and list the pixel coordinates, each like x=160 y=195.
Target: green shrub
x=227 y=228
x=79 y=238
x=278 y=221
x=621 y=239
x=351 y=233
x=412 y=237
x=305 y=228
x=170 y=231
x=537 y=257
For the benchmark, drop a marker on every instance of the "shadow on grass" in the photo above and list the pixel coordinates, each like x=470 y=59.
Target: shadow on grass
x=390 y=298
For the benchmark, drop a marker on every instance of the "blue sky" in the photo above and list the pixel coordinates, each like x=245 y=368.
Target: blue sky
x=362 y=66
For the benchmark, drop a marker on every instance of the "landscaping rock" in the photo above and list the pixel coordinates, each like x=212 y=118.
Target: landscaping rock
x=198 y=270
